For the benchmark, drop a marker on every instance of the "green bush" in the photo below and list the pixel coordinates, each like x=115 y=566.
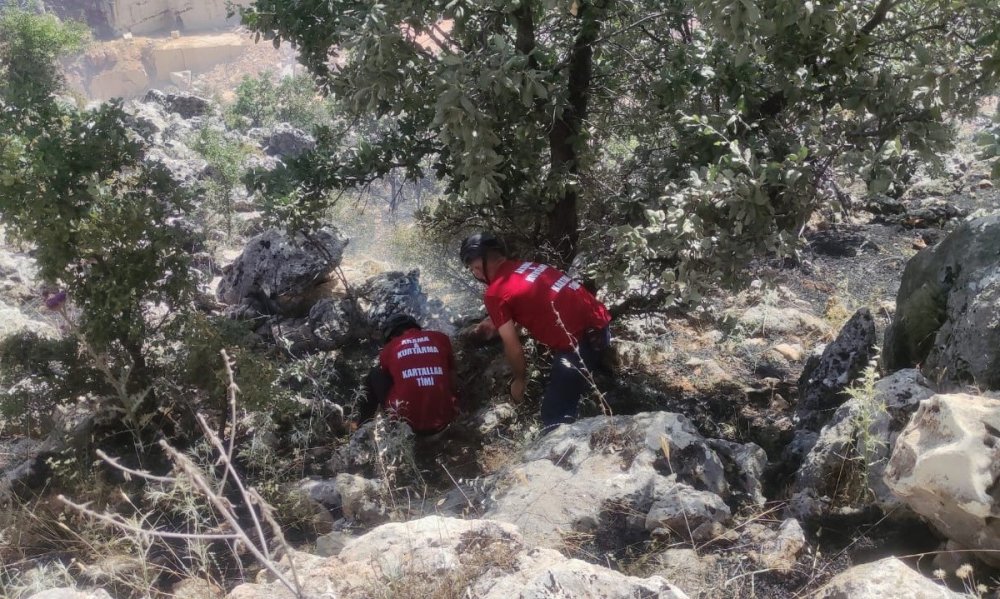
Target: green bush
x=262 y=102
x=226 y=157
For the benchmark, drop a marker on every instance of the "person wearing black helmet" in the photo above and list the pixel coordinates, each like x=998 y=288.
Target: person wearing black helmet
x=556 y=310
x=414 y=380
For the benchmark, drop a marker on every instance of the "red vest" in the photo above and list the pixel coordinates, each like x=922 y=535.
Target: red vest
x=420 y=364
x=555 y=309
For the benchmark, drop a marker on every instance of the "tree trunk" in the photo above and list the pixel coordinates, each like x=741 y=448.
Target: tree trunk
x=565 y=139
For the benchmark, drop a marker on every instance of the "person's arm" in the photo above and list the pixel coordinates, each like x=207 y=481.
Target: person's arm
x=514 y=353
x=377 y=385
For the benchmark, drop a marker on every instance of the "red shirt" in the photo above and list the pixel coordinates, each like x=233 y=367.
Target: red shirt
x=554 y=308
x=420 y=364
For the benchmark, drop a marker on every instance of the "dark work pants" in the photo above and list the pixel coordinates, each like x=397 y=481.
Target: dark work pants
x=570 y=378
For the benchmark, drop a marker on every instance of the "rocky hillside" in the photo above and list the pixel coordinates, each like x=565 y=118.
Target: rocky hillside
x=832 y=431
x=139 y=17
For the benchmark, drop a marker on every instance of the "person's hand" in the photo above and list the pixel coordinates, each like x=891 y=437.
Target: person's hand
x=485 y=330
x=517 y=390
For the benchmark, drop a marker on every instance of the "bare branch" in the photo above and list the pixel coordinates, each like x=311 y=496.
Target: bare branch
x=140 y=473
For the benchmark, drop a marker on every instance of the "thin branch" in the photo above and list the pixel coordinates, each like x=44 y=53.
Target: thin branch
x=217 y=444
x=220 y=504
x=140 y=473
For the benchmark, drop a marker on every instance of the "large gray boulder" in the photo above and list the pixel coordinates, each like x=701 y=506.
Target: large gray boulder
x=850 y=453
x=620 y=476
x=282 y=271
x=824 y=379
x=439 y=557
x=946 y=466
x=389 y=293
x=885 y=578
x=286 y=141
x=948 y=308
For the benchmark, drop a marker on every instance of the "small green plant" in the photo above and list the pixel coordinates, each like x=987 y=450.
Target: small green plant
x=226 y=158
x=868 y=446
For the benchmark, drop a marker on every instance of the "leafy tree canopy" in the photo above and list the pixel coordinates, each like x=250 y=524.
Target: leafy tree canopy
x=681 y=137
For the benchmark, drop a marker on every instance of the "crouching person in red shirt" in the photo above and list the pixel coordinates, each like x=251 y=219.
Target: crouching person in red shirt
x=556 y=310
x=414 y=380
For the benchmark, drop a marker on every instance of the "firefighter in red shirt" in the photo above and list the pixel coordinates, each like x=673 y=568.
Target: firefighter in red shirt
x=414 y=380
x=556 y=310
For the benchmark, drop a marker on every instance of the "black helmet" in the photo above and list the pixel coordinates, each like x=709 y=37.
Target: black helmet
x=396 y=324
x=476 y=246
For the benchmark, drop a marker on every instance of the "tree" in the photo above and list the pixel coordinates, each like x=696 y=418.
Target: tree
x=104 y=222
x=681 y=138
x=30 y=43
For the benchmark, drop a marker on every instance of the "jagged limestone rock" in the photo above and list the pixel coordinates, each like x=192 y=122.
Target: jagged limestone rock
x=436 y=556
x=885 y=578
x=946 y=465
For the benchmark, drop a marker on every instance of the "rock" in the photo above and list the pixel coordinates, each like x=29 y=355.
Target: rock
x=583 y=477
x=782 y=551
x=187 y=171
x=946 y=465
x=883 y=205
x=361 y=499
x=181 y=79
x=334 y=322
x=745 y=463
x=389 y=293
x=642 y=356
x=139 y=18
x=325 y=492
x=698 y=575
x=682 y=511
x=186 y=105
x=885 y=578
x=261 y=164
x=18 y=275
x=285 y=141
x=439 y=557
x=946 y=308
x=790 y=351
x=772 y=321
x=14 y=321
x=924 y=213
x=832 y=466
x=332 y=543
x=823 y=380
x=67 y=593
x=196 y=588
x=282 y=272
x=148 y=119
x=493 y=417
